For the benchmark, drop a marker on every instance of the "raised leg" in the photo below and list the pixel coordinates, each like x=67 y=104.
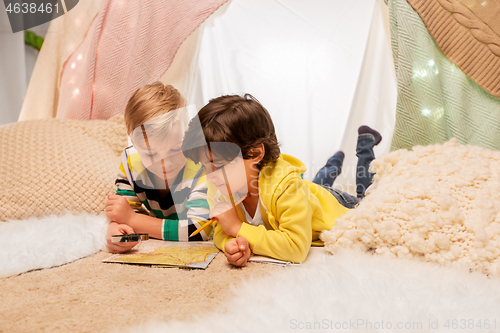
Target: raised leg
x=367 y=139
x=327 y=174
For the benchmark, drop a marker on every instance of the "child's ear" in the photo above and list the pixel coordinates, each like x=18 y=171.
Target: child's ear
x=258 y=153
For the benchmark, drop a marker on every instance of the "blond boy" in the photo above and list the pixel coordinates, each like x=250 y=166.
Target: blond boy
x=159 y=191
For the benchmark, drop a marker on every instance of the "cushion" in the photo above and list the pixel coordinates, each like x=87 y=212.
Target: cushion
x=56 y=166
x=438 y=203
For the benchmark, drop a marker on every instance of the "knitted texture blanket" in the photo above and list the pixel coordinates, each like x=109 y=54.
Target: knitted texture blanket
x=55 y=166
x=437 y=203
x=468 y=33
x=436 y=100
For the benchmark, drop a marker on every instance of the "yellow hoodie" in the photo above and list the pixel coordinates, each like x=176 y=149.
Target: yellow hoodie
x=295 y=212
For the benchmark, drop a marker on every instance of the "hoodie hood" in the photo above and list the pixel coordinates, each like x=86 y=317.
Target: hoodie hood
x=284 y=167
x=274 y=177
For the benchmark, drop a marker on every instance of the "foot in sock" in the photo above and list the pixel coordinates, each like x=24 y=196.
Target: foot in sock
x=327 y=174
x=336 y=160
x=366 y=129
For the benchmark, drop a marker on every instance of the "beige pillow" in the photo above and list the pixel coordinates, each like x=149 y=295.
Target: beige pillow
x=438 y=203
x=56 y=166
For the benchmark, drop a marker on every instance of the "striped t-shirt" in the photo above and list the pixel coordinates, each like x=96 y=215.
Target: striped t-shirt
x=183 y=208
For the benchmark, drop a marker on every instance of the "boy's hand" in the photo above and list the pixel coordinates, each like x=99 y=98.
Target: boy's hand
x=226 y=215
x=237 y=251
x=119 y=229
x=118 y=209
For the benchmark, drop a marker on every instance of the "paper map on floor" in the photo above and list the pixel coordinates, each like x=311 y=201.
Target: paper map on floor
x=168 y=254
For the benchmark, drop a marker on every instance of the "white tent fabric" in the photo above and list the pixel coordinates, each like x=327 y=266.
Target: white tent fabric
x=13 y=81
x=322 y=68
x=16 y=65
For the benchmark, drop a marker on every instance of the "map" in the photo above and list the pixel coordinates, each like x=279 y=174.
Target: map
x=168 y=254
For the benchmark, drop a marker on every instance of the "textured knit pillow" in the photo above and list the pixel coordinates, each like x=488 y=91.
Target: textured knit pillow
x=57 y=165
x=439 y=203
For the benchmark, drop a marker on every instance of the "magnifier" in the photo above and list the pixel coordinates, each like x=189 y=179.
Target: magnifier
x=129 y=238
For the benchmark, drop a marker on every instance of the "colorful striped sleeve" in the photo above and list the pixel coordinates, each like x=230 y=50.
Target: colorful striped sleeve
x=178 y=226
x=198 y=211
x=125 y=188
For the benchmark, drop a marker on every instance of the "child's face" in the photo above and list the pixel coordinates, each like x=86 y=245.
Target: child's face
x=229 y=177
x=164 y=156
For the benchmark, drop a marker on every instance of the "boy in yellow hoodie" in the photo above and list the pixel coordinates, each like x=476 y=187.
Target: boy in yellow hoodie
x=279 y=214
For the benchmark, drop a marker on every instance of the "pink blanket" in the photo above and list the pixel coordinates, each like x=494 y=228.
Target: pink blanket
x=129 y=44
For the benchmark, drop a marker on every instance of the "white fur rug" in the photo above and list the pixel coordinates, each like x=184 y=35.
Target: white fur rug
x=49 y=241
x=353 y=292
x=349 y=291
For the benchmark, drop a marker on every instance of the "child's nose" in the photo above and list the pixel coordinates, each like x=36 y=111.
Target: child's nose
x=168 y=163
x=213 y=177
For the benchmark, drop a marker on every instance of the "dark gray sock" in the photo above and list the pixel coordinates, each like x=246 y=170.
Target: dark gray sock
x=366 y=129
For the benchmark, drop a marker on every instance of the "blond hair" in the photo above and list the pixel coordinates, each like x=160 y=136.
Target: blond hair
x=151 y=101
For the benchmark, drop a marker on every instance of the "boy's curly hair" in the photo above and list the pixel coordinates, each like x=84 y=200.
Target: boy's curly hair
x=241 y=120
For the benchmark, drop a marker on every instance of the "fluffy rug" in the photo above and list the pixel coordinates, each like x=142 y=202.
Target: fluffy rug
x=88 y=295
x=438 y=203
x=352 y=292
x=49 y=241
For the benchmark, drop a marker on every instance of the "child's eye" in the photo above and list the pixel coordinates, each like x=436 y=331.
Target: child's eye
x=175 y=150
x=215 y=168
x=151 y=155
